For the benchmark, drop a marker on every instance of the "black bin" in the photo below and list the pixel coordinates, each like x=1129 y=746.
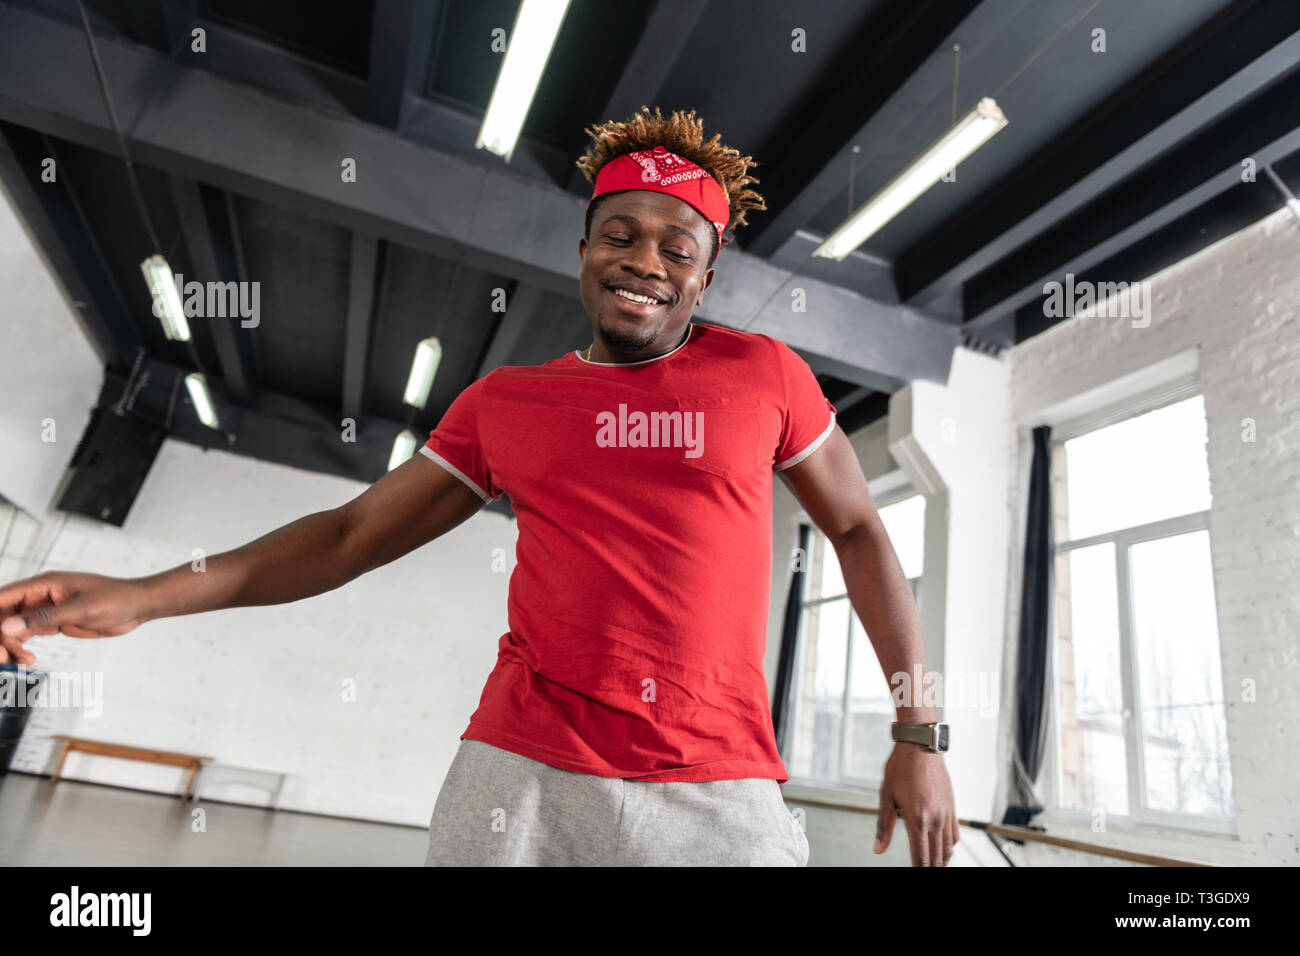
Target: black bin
x=17 y=692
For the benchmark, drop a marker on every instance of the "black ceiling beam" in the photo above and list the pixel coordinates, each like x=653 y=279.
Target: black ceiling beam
x=274 y=69
x=1231 y=211
x=366 y=278
x=859 y=408
x=211 y=241
x=76 y=263
x=162 y=24
x=821 y=365
x=401 y=39
x=1265 y=129
x=1149 y=117
x=667 y=30
x=991 y=338
x=891 y=90
x=863 y=413
x=196 y=124
x=860 y=271
x=448 y=129
x=283 y=430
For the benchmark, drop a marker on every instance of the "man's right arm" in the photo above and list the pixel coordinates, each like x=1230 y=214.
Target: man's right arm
x=406 y=508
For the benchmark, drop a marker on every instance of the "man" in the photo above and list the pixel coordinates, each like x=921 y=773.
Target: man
x=626 y=721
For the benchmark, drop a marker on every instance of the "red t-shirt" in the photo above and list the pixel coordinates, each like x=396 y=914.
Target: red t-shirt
x=638 y=606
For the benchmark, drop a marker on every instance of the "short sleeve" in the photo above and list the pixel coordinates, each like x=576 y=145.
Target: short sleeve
x=809 y=416
x=455 y=443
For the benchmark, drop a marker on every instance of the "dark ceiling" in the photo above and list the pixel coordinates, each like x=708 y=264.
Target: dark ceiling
x=1114 y=164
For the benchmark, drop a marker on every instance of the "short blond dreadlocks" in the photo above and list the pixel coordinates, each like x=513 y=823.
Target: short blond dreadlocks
x=681 y=133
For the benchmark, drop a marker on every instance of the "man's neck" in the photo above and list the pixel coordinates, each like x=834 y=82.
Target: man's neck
x=598 y=352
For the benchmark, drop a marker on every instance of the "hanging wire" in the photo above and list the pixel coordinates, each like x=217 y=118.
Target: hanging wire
x=956 y=79
x=121 y=141
x=140 y=206
x=956 y=75
x=1065 y=28
x=411 y=412
x=853 y=173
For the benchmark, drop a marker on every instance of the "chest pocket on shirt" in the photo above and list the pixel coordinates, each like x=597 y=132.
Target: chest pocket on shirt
x=727 y=434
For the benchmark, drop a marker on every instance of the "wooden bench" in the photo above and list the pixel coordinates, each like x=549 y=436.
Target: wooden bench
x=102 y=748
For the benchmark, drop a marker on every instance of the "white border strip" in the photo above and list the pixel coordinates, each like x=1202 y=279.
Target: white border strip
x=811 y=447
x=430 y=453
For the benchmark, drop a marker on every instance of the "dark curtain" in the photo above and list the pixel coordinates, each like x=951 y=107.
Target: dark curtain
x=789 y=638
x=1035 y=633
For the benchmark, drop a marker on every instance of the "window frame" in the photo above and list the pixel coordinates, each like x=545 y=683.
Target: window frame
x=1123 y=540
x=896 y=493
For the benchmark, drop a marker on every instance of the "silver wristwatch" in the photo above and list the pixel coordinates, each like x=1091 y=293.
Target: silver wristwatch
x=931 y=736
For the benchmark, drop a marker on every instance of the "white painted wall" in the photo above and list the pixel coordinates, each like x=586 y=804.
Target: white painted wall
x=257 y=687
x=47 y=370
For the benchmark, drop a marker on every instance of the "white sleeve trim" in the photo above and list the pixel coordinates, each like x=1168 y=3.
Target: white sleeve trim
x=430 y=453
x=811 y=447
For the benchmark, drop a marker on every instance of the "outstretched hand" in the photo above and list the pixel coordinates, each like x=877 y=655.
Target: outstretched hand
x=916 y=786
x=64 y=602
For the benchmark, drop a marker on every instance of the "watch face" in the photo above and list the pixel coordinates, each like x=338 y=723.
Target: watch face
x=943 y=736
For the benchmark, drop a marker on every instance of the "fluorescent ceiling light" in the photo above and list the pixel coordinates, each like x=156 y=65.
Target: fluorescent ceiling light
x=166 y=299
x=197 y=386
x=428 y=353
x=531 y=41
x=971 y=132
x=403 y=448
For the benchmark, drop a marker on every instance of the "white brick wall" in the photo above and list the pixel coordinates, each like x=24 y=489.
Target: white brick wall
x=1236 y=304
x=258 y=687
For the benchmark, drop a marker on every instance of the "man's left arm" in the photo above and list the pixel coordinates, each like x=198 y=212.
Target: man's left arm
x=831 y=487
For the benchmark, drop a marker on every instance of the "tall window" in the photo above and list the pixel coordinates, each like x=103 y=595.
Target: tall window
x=17 y=533
x=841 y=703
x=1141 y=721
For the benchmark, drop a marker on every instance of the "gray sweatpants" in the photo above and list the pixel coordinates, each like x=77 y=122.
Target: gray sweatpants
x=498 y=808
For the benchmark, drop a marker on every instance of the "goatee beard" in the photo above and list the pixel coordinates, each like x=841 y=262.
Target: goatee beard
x=625 y=341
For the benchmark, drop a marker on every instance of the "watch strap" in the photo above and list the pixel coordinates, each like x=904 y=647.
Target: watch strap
x=922 y=734
x=933 y=736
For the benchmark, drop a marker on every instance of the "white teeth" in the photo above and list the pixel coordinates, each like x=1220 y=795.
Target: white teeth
x=634 y=297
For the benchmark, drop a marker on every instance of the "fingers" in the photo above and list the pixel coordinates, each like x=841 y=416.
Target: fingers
x=885 y=819
x=918 y=840
x=13 y=632
x=932 y=839
x=50 y=619
x=40 y=620
x=22 y=596
x=938 y=838
x=13 y=652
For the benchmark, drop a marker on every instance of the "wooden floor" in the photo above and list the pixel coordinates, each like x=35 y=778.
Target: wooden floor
x=83 y=824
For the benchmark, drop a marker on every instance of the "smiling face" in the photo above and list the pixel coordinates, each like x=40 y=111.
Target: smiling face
x=644 y=271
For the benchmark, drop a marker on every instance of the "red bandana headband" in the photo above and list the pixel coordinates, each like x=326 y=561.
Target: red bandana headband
x=661 y=171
